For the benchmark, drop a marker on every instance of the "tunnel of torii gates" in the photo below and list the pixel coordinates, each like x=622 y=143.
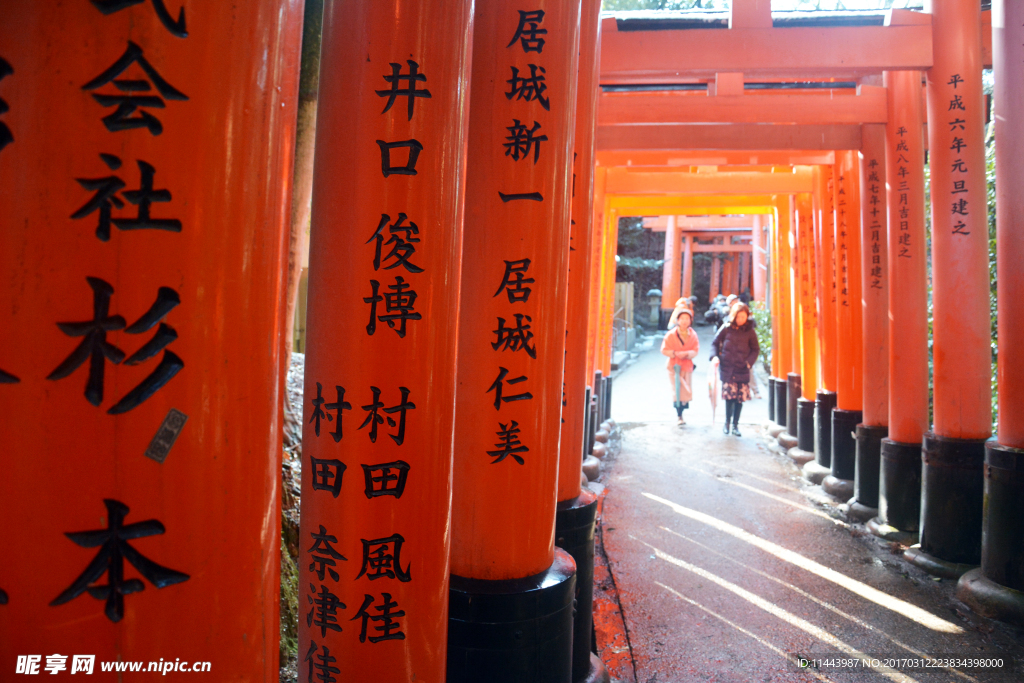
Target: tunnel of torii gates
x=471 y=167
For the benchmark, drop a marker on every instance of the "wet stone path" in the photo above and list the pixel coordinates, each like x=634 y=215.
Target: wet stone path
x=717 y=562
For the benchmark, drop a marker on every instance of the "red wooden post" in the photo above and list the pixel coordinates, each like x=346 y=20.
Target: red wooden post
x=146 y=177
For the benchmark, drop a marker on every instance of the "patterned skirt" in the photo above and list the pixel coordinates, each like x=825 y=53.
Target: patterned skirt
x=736 y=391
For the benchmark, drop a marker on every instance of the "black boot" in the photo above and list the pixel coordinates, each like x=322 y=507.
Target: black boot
x=736 y=409
x=728 y=415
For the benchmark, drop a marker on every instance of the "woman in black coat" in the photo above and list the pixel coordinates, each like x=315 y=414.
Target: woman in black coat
x=736 y=348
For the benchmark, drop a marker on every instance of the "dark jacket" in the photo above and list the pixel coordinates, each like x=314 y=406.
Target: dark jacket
x=737 y=349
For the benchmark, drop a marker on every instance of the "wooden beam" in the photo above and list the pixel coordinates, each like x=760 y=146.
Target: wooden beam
x=697 y=248
x=813 y=53
x=828 y=106
x=659 y=223
x=663 y=205
x=736 y=136
x=702 y=157
x=622 y=181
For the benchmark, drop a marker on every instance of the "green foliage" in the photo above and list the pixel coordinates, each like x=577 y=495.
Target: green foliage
x=763 y=321
x=993 y=279
x=289 y=608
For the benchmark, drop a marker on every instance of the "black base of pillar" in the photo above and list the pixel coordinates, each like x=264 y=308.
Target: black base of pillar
x=793 y=389
x=991 y=599
x=805 y=425
x=823 y=406
x=1002 y=535
x=780 y=402
x=586 y=423
x=869 y=463
x=844 y=453
x=607 y=399
x=815 y=473
x=952 y=488
x=513 y=631
x=771 y=399
x=936 y=566
x=574 y=533
x=592 y=425
x=899 y=488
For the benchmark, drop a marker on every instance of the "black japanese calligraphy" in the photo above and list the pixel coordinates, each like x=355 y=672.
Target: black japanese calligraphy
x=514 y=281
x=105 y=198
x=327 y=475
x=409 y=168
x=323 y=554
x=321 y=410
x=530 y=88
x=382 y=558
x=515 y=338
x=528 y=31
x=8 y=378
x=3 y=597
x=522 y=140
x=128 y=104
x=114 y=550
x=508 y=444
x=409 y=91
x=387 y=620
x=374 y=417
x=399 y=306
x=402 y=237
x=530 y=196
x=386 y=479
x=498 y=388
x=321 y=664
x=6 y=137
x=324 y=613
x=177 y=28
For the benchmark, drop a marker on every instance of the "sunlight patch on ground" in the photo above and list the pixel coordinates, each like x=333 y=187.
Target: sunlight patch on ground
x=776 y=611
x=835 y=610
x=902 y=607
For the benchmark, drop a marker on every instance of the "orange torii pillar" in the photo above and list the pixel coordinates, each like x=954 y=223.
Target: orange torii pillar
x=849 y=322
x=608 y=299
x=576 y=510
x=141 y=333
x=953 y=453
x=996 y=590
x=505 y=568
x=758 y=259
x=789 y=439
x=875 y=316
x=594 y=375
x=775 y=410
x=807 y=315
x=687 y=265
x=825 y=301
x=670 y=271
x=783 y=302
x=899 y=492
x=386 y=231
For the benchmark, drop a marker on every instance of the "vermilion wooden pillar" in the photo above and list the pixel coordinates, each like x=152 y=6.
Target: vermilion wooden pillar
x=687 y=265
x=995 y=590
x=808 y=331
x=142 y=233
x=784 y=303
x=758 y=259
x=825 y=301
x=849 y=322
x=875 y=316
x=380 y=386
x=900 y=471
x=504 y=565
x=671 y=270
x=608 y=296
x=596 y=249
x=793 y=378
x=954 y=453
x=577 y=507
